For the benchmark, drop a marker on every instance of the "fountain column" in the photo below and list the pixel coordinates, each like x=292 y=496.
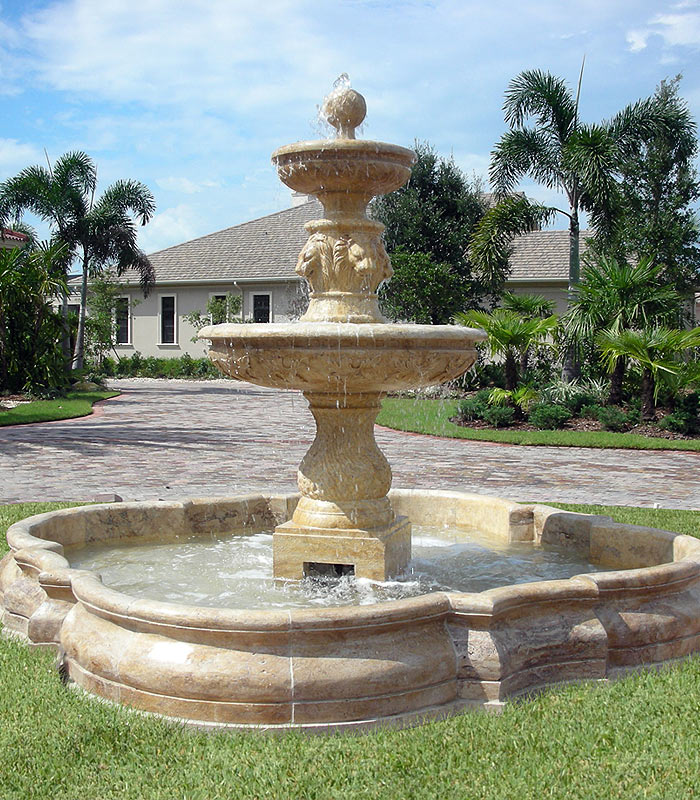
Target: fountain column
x=344 y=517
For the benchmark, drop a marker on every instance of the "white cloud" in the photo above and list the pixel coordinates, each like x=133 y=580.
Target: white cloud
x=170 y=227
x=185 y=185
x=637 y=40
x=680 y=29
x=15 y=155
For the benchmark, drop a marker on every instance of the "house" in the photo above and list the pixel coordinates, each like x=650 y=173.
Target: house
x=10 y=238
x=256 y=261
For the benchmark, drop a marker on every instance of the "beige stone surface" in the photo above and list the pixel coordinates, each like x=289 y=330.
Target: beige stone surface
x=353 y=665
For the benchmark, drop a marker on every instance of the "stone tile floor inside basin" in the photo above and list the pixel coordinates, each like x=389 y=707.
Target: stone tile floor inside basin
x=172 y=439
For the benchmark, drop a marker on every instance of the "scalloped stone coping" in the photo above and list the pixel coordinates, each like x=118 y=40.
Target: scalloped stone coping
x=352 y=667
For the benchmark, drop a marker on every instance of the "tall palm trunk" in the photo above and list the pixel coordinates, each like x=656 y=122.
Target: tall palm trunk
x=78 y=355
x=618 y=374
x=648 y=386
x=570 y=366
x=511 y=370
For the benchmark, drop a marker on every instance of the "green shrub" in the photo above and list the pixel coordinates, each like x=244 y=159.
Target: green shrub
x=499 y=416
x=680 y=422
x=471 y=408
x=613 y=419
x=577 y=401
x=589 y=411
x=186 y=365
x=547 y=416
x=687 y=403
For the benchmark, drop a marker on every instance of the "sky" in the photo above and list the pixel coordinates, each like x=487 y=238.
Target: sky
x=192 y=96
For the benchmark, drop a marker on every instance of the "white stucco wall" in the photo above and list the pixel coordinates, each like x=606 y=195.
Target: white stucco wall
x=145 y=319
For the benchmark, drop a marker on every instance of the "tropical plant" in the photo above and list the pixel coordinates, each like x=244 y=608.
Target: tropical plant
x=31 y=359
x=659 y=187
x=509 y=335
x=656 y=351
x=97 y=232
x=528 y=305
x=521 y=399
x=421 y=290
x=618 y=295
x=560 y=152
x=490 y=246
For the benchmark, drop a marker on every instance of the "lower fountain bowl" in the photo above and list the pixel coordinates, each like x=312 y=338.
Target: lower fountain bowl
x=350 y=667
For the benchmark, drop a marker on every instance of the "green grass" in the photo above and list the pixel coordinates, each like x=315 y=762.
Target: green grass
x=424 y=415
x=74 y=404
x=635 y=738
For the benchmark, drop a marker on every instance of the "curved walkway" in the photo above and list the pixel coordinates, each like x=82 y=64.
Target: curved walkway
x=173 y=439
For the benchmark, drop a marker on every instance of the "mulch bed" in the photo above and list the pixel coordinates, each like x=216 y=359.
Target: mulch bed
x=582 y=424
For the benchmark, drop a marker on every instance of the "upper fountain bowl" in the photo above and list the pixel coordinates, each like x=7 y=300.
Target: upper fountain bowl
x=343 y=164
x=342 y=358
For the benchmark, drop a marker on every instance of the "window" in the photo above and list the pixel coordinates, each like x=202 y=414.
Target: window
x=261 y=308
x=168 y=328
x=121 y=318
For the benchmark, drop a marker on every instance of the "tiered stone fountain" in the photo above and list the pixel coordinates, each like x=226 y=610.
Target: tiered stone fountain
x=343 y=355
x=348 y=666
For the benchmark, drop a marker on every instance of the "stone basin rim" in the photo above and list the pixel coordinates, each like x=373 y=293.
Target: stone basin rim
x=47 y=558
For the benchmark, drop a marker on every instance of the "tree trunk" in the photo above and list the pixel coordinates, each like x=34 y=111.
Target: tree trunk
x=618 y=374
x=524 y=361
x=648 y=406
x=511 y=369
x=570 y=366
x=80 y=336
x=65 y=339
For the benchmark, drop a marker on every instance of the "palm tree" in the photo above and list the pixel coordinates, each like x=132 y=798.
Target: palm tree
x=509 y=335
x=619 y=296
x=528 y=305
x=563 y=154
x=656 y=351
x=96 y=233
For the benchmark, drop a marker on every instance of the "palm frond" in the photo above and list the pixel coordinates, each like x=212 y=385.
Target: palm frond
x=522 y=152
x=491 y=244
x=76 y=171
x=528 y=305
x=544 y=96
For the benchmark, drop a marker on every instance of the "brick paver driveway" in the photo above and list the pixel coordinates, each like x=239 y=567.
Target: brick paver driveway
x=173 y=439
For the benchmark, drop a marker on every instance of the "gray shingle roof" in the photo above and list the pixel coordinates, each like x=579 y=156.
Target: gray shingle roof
x=262 y=249
x=268 y=247
x=542 y=255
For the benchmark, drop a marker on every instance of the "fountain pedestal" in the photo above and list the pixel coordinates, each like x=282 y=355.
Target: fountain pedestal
x=344 y=518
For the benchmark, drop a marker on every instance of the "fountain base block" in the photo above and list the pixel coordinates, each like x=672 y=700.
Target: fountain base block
x=377 y=554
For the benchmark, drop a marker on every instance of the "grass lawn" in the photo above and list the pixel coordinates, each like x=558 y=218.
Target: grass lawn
x=74 y=404
x=635 y=738
x=424 y=415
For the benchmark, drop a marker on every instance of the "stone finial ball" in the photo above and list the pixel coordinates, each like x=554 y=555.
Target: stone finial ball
x=345 y=110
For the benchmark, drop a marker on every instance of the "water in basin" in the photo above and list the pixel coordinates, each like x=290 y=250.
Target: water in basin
x=235 y=571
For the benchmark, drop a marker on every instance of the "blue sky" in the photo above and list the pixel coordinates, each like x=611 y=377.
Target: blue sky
x=192 y=96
